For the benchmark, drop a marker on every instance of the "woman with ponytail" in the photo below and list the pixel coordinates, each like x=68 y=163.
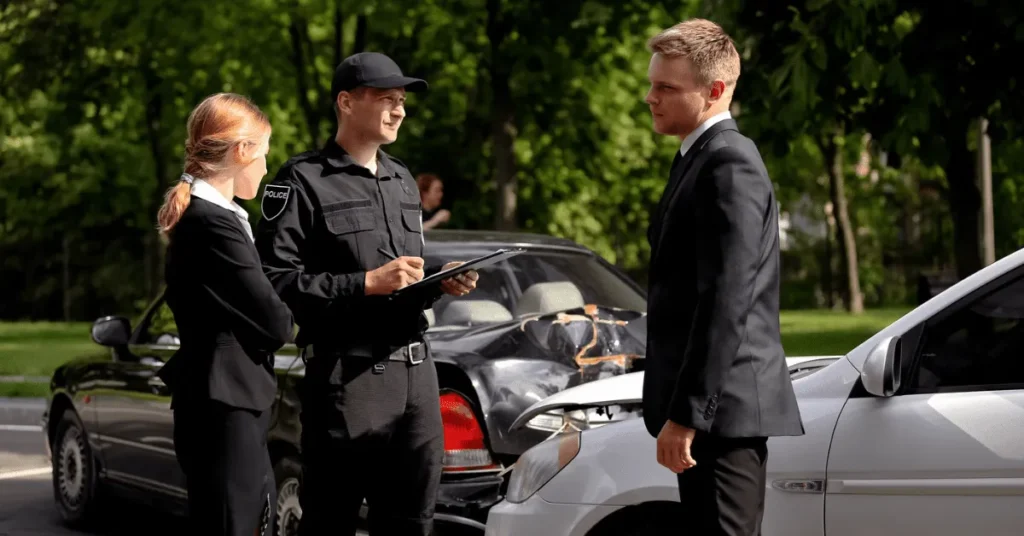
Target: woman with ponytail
x=230 y=320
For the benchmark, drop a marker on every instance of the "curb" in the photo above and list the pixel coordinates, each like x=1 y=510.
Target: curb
x=21 y=403
x=24 y=473
x=24 y=379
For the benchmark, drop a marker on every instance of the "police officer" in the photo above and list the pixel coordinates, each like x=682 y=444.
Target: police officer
x=341 y=231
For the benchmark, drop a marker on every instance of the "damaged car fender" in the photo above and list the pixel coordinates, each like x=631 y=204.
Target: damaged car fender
x=514 y=365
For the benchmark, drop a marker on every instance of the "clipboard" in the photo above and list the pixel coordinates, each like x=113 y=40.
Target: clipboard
x=472 y=264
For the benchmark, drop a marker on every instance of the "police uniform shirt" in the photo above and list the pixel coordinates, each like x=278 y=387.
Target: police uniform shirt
x=324 y=219
x=205 y=191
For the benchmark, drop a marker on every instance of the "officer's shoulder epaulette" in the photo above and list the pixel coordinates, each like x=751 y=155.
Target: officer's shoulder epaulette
x=301 y=158
x=291 y=171
x=396 y=160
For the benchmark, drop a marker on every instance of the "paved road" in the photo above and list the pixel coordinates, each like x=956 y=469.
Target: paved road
x=26 y=492
x=21 y=442
x=26 y=489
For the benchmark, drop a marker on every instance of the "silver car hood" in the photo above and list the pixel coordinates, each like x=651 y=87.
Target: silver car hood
x=623 y=390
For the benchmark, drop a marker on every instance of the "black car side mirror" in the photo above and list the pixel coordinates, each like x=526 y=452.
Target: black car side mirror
x=111 y=331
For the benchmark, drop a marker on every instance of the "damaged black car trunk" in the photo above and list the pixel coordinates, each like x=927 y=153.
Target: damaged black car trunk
x=516 y=363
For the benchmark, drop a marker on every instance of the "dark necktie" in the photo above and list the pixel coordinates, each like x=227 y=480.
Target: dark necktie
x=654 y=228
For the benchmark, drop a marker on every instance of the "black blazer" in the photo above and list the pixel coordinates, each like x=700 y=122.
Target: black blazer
x=230 y=320
x=714 y=356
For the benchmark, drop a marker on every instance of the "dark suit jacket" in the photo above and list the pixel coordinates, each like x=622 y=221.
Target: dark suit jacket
x=714 y=357
x=230 y=320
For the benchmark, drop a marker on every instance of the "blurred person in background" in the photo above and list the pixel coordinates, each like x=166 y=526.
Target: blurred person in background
x=431 y=191
x=231 y=322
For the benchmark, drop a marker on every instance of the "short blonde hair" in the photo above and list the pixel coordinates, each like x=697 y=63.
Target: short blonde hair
x=707 y=46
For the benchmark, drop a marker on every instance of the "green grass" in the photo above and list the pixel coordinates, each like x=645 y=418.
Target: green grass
x=37 y=348
x=24 y=389
x=820 y=332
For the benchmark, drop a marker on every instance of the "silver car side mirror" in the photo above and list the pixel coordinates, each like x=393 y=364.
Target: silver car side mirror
x=881 y=374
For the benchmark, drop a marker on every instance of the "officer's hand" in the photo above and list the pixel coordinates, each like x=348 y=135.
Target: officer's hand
x=394 y=275
x=461 y=284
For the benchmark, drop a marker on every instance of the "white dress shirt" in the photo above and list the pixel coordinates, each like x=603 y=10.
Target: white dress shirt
x=702 y=128
x=205 y=191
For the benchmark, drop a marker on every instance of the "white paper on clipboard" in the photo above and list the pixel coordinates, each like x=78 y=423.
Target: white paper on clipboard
x=472 y=264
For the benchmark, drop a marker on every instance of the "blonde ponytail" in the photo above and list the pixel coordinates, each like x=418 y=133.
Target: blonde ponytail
x=175 y=202
x=215 y=127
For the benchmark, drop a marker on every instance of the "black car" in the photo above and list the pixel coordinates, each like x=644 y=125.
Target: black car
x=555 y=316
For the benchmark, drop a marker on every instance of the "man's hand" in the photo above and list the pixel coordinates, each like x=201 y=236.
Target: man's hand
x=674 y=442
x=394 y=275
x=461 y=284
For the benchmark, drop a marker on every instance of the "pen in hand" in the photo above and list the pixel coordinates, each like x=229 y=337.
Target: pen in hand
x=388 y=254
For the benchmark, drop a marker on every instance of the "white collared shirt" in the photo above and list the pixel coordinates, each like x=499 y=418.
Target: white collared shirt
x=710 y=122
x=205 y=191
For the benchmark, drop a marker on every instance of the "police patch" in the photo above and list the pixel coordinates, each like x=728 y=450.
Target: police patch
x=275 y=198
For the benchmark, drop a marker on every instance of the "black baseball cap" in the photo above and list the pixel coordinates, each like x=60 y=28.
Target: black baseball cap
x=371 y=69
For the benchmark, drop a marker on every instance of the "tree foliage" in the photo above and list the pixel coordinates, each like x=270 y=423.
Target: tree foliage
x=534 y=119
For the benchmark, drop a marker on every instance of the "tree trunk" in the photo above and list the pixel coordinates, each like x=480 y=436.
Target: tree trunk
x=833 y=153
x=153 y=248
x=826 y=266
x=339 y=33
x=34 y=265
x=988 y=234
x=911 y=247
x=296 y=30
x=502 y=121
x=359 y=44
x=964 y=205
x=66 y=275
x=502 y=129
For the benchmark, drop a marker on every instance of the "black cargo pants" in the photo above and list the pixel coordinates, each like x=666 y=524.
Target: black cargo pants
x=370 y=429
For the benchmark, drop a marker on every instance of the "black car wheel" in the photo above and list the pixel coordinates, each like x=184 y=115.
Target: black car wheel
x=287 y=473
x=289 y=512
x=74 y=472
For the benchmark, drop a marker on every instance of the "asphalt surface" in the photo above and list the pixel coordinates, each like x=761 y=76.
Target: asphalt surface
x=26 y=489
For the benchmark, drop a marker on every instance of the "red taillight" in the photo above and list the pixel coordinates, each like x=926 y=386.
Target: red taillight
x=464 y=447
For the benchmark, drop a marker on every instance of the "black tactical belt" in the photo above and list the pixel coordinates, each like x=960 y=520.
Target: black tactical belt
x=413 y=353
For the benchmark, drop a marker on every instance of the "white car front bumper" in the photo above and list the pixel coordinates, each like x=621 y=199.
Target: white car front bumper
x=537 y=517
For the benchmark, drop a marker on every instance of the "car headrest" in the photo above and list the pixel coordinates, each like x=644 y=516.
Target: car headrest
x=544 y=298
x=472 y=312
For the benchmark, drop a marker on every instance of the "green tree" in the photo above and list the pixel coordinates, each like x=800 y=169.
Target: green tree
x=955 y=63
x=809 y=73
x=544 y=103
